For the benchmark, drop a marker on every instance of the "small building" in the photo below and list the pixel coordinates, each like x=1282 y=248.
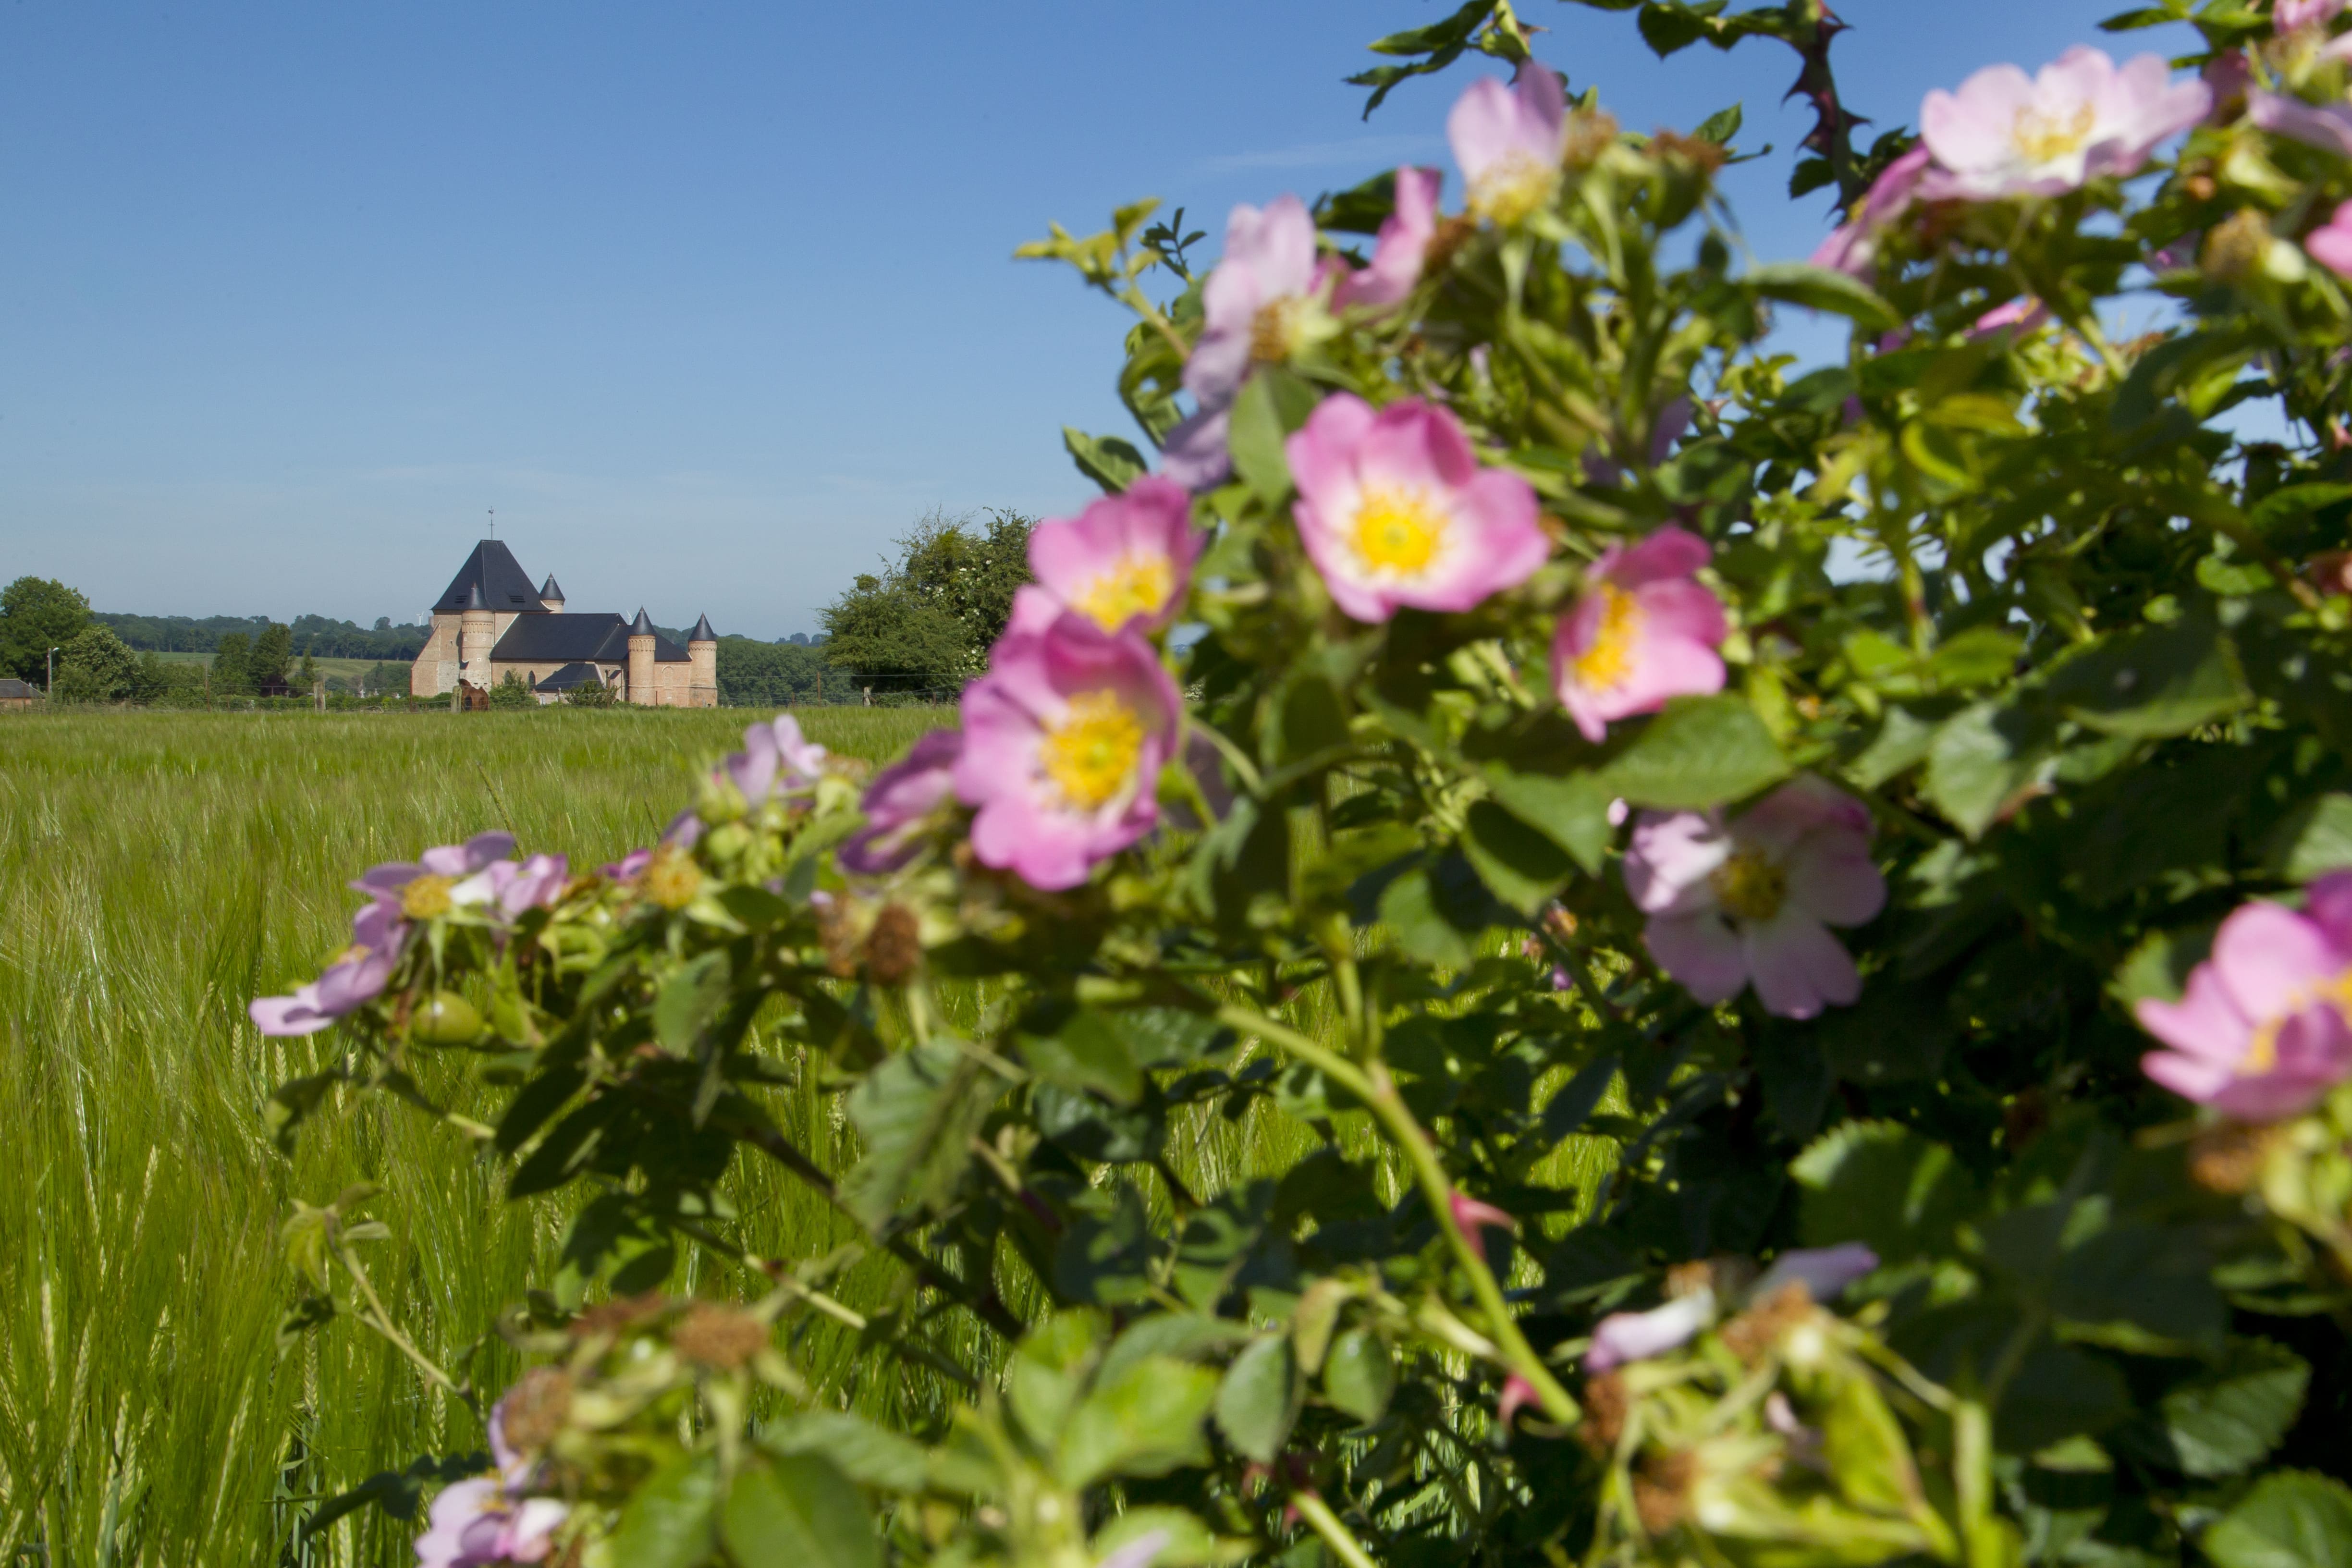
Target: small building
x=490 y=623
x=14 y=693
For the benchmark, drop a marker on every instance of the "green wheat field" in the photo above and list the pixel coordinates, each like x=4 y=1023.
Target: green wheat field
x=156 y=870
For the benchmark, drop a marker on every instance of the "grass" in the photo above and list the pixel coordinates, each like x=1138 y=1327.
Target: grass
x=156 y=870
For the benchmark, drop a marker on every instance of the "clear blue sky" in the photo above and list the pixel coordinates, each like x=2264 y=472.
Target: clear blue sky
x=708 y=301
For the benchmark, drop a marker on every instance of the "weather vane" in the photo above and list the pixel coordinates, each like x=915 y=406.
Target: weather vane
x=494 y=522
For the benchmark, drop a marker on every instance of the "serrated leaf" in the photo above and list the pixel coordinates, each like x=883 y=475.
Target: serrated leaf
x=2315 y=840
x=1359 y=1375
x=1699 y=752
x=2292 y=1520
x=2224 y=1419
x=2152 y=682
x=1144 y=1422
x=1720 y=127
x=1986 y=759
x=796 y=1510
x=1272 y=404
x=1523 y=867
x=670 y=1521
x=1882 y=1185
x=1110 y=462
x=917 y=1112
x=1257 y=1402
x=1573 y=811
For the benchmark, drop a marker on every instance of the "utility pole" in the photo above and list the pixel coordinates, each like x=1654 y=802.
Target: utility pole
x=51 y=686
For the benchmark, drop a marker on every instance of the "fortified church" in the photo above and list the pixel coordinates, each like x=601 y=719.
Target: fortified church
x=490 y=622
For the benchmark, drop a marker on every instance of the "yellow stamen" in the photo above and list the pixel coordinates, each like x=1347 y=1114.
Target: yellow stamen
x=1398 y=530
x=1750 y=886
x=1135 y=585
x=1091 y=755
x=2043 y=137
x=426 y=896
x=1275 y=330
x=1514 y=189
x=1610 y=655
x=672 y=880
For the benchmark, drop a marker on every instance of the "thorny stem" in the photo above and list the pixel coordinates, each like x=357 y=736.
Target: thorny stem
x=1379 y=1093
x=1335 y=1535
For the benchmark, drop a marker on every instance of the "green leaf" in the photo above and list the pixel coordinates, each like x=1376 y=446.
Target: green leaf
x=292 y=1102
x=1821 y=288
x=2290 y=1519
x=1084 y=1051
x=1310 y=720
x=1669 y=27
x=918 y=1112
x=690 y=998
x=2058 y=1392
x=1409 y=907
x=2152 y=682
x=1573 y=812
x=669 y=1522
x=1183 y=1541
x=1110 y=462
x=1720 y=127
x=1359 y=1375
x=2315 y=840
x=2224 y=1419
x=1700 y=752
x=797 y=1510
x=1144 y=1422
x=1272 y=404
x=1522 y=866
x=1883 y=1185
x=1984 y=760
x=1257 y=1402
x=1048 y=1370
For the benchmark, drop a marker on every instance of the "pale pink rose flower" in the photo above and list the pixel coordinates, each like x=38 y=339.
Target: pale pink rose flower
x=2327 y=127
x=1394 y=509
x=1623 y=1337
x=1254 y=308
x=1644 y=630
x=2289 y=15
x=902 y=799
x=1823 y=1271
x=1400 y=246
x=1125 y=561
x=1064 y=739
x=1517 y=1394
x=1509 y=143
x=2005 y=133
x=2016 y=319
x=2331 y=245
x=1752 y=901
x=1853 y=247
x=2262 y=1031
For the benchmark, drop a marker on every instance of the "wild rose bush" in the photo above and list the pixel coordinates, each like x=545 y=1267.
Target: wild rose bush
x=1451 y=735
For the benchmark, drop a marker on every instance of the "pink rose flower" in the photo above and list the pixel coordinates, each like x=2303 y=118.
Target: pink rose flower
x=2015 y=319
x=358 y=976
x=2264 y=1029
x=1063 y=739
x=511 y=888
x=2005 y=133
x=1509 y=143
x=899 y=801
x=2327 y=127
x=1257 y=306
x=1125 y=561
x=776 y=759
x=2289 y=15
x=1823 y=1271
x=1853 y=247
x=2331 y=245
x=1399 y=248
x=1622 y=1337
x=1643 y=631
x=1394 y=509
x=1753 y=901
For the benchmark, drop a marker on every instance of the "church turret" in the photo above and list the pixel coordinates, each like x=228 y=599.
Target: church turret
x=641 y=661
x=550 y=597
x=702 y=649
x=477 y=634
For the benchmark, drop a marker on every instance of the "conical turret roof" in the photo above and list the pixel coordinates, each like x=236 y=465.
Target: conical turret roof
x=702 y=632
x=643 y=626
x=474 y=600
x=548 y=590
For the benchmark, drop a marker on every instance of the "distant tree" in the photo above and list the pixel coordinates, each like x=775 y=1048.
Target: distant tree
x=929 y=618
x=384 y=622
x=777 y=675
x=273 y=650
x=36 y=615
x=96 y=667
x=232 y=672
x=512 y=692
x=310 y=669
x=383 y=678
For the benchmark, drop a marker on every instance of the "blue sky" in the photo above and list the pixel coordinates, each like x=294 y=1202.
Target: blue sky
x=708 y=301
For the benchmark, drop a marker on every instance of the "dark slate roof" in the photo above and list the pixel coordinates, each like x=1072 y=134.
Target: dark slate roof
x=12 y=689
x=642 y=626
x=602 y=639
x=702 y=632
x=548 y=590
x=493 y=569
x=572 y=677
